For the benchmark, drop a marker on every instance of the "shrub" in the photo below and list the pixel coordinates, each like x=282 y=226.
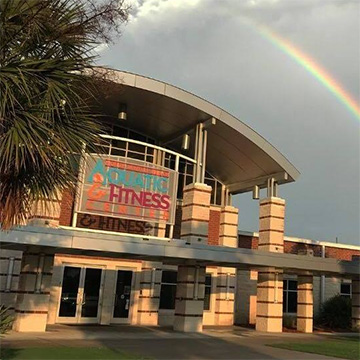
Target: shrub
x=6 y=319
x=335 y=313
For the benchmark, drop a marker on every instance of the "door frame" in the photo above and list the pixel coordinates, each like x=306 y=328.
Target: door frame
x=132 y=296
x=77 y=319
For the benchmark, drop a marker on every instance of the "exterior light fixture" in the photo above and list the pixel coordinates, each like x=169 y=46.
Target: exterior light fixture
x=256 y=191
x=122 y=114
x=185 y=145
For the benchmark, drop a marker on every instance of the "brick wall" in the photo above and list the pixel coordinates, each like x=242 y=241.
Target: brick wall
x=177 y=226
x=248 y=242
x=66 y=209
x=296 y=248
x=291 y=247
x=343 y=254
x=214 y=227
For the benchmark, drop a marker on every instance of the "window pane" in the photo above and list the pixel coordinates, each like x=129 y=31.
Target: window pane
x=136 y=136
x=292 y=285
x=345 y=289
x=70 y=287
x=218 y=193
x=135 y=155
x=91 y=293
x=208 y=279
x=285 y=301
x=167 y=296
x=207 y=298
x=169 y=276
x=285 y=283
x=207 y=292
x=118 y=152
x=137 y=148
x=119 y=131
x=292 y=302
x=118 y=144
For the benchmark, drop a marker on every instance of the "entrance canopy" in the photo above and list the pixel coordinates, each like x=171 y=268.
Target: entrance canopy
x=236 y=155
x=177 y=252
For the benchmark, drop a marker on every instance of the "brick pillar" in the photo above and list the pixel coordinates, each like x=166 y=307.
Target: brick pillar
x=355 y=300
x=196 y=213
x=271 y=228
x=305 y=303
x=226 y=277
x=189 y=303
x=32 y=303
x=45 y=212
x=67 y=205
x=161 y=229
x=269 y=312
x=149 y=298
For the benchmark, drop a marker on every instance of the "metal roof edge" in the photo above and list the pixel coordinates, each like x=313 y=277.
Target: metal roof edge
x=163 y=88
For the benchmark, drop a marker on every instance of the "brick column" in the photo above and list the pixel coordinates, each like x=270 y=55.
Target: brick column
x=269 y=312
x=271 y=227
x=45 y=212
x=305 y=303
x=269 y=301
x=226 y=277
x=196 y=213
x=32 y=303
x=67 y=207
x=355 y=300
x=149 y=298
x=189 y=303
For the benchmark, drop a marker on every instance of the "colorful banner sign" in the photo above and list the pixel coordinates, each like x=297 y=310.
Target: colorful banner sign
x=127 y=188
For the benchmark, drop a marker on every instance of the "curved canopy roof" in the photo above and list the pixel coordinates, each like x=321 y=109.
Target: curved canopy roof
x=236 y=155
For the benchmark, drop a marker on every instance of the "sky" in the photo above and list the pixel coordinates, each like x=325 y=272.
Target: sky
x=216 y=50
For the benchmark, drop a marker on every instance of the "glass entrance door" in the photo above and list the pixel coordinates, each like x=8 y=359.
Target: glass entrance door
x=69 y=292
x=80 y=295
x=122 y=296
x=91 y=294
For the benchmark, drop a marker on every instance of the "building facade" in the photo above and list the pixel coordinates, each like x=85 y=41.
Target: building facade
x=121 y=291
x=149 y=236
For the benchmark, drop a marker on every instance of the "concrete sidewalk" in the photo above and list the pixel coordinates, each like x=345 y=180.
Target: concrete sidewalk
x=164 y=343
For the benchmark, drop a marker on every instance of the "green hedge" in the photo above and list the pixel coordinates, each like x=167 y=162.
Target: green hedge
x=335 y=313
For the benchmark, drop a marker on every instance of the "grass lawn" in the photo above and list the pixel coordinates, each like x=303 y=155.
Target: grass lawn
x=67 y=353
x=345 y=348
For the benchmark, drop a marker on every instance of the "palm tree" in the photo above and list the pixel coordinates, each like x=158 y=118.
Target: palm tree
x=46 y=82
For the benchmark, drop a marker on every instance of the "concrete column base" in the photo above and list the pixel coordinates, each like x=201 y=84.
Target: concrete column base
x=189 y=304
x=355 y=300
x=269 y=302
x=32 y=303
x=305 y=303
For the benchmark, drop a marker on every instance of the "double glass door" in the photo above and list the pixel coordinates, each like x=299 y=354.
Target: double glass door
x=80 y=295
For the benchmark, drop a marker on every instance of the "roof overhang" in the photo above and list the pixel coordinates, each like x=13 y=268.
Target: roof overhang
x=177 y=252
x=236 y=155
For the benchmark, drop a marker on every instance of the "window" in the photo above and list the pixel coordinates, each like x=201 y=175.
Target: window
x=345 y=289
x=290 y=296
x=207 y=292
x=168 y=289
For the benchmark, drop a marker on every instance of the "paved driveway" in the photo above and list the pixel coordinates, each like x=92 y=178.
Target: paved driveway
x=163 y=343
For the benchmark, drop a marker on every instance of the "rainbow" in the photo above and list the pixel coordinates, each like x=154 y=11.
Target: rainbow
x=312 y=67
